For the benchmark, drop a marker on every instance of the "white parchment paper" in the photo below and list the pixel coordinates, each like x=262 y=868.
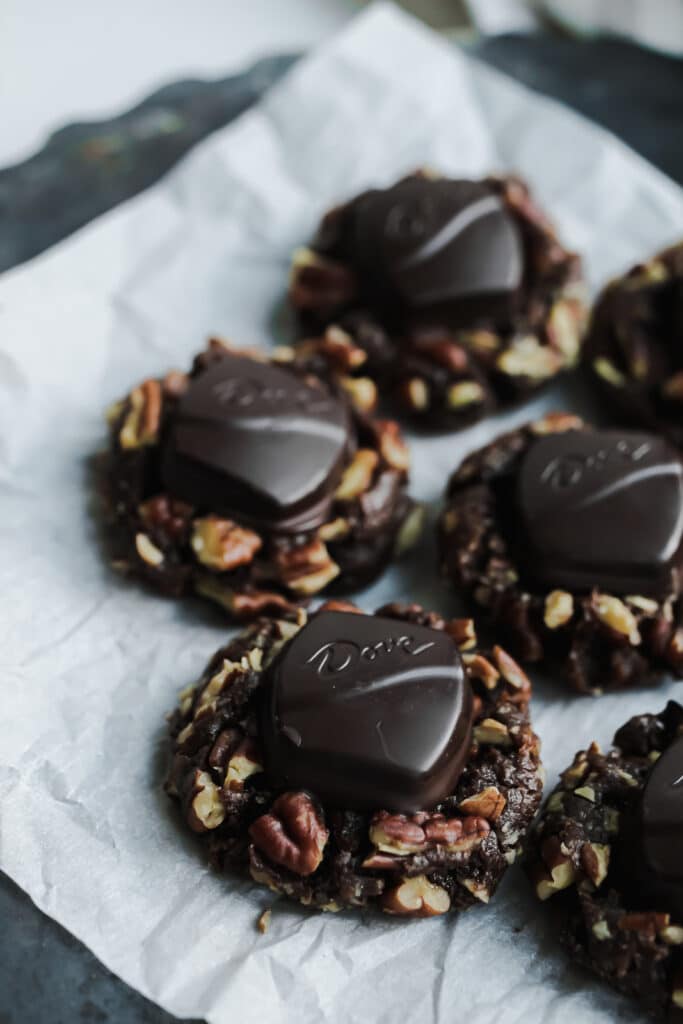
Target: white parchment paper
x=90 y=663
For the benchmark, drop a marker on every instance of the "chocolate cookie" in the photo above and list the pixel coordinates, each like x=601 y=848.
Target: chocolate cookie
x=609 y=845
x=572 y=539
x=254 y=484
x=453 y=296
x=634 y=347
x=347 y=760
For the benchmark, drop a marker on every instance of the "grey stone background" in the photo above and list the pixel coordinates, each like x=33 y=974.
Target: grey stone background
x=46 y=976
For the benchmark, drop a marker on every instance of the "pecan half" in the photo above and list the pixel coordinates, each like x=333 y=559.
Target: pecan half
x=293 y=833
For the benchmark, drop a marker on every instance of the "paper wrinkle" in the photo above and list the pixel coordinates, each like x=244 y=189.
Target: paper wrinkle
x=92 y=663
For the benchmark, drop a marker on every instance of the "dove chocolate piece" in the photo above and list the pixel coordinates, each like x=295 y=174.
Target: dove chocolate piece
x=253 y=440
x=347 y=760
x=608 y=848
x=446 y=244
x=572 y=540
x=369 y=712
x=663 y=815
x=254 y=483
x=450 y=296
x=602 y=508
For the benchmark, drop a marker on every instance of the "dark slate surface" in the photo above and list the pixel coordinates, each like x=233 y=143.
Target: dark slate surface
x=46 y=976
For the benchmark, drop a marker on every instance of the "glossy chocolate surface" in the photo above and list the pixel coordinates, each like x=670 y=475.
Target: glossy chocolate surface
x=602 y=509
x=439 y=245
x=253 y=440
x=368 y=713
x=662 y=815
x=649 y=859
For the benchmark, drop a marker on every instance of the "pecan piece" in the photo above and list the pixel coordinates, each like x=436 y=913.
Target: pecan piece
x=397 y=834
x=245 y=761
x=205 y=810
x=143 y=418
x=393 y=448
x=416 y=897
x=358 y=475
x=489 y=803
x=318 y=283
x=559 y=608
x=293 y=833
x=306 y=569
x=223 y=545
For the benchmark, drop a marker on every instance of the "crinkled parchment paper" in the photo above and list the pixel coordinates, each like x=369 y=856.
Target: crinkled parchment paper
x=90 y=663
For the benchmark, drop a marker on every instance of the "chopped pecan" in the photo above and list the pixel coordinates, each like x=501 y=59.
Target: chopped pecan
x=245 y=761
x=166 y=514
x=415 y=394
x=612 y=612
x=358 y=475
x=148 y=551
x=464 y=393
x=556 y=423
x=393 y=448
x=526 y=357
x=456 y=834
x=362 y=392
x=247 y=604
x=595 y=862
x=205 y=810
x=143 y=417
x=559 y=608
x=510 y=670
x=564 y=329
x=318 y=283
x=293 y=833
x=488 y=803
x=608 y=371
x=307 y=568
x=416 y=897
x=492 y=732
x=479 y=667
x=463 y=632
x=410 y=530
x=396 y=833
x=223 y=545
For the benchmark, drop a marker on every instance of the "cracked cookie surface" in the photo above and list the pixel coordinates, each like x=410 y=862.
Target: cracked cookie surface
x=595 y=851
x=303 y=842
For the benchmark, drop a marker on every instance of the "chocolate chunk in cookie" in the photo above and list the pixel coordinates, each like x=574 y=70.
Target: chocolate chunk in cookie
x=572 y=539
x=609 y=847
x=453 y=296
x=254 y=484
x=351 y=760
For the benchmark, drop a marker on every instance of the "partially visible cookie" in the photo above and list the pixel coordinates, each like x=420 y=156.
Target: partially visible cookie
x=350 y=760
x=254 y=484
x=453 y=296
x=571 y=538
x=634 y=348
x=609 y=847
